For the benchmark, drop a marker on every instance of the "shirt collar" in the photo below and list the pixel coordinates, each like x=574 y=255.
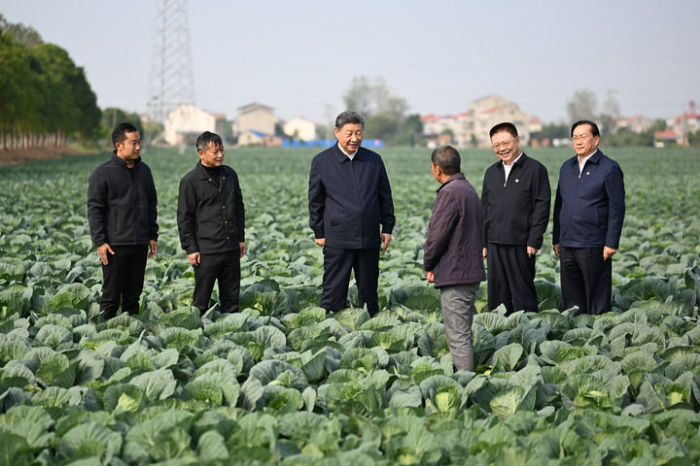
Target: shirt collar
x=513 y=162
x=346 y=154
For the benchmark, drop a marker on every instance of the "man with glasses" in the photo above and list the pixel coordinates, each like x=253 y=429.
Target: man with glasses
x=515 y=198
x=589 y=209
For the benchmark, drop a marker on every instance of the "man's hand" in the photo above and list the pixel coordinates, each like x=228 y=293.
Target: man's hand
x=153 y=244
x=556 y=250
x=430 y=276
x=244 y=249
x=102 y=250
x=483 y=253
x=320 y=241
x=531 y=251
x=194 y=259
x=608 y=253
x=386 y=240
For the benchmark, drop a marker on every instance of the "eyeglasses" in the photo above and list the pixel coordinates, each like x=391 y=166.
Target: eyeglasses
x=582 y=137
x=504 y=144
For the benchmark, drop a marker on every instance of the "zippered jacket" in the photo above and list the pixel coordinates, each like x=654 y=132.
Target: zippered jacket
x=210 y=214
x=122 y=204
x=516 y=212
x=350 y=199
x=589 y=206
x=453 y=242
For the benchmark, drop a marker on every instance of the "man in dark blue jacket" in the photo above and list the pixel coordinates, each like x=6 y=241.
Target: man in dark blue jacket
x=349 y=199
x=122 y=211
x=516 y=199
x=589 y=209
x=452 y=253
x=211 y=222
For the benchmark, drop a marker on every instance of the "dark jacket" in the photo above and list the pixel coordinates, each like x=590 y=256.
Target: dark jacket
x=348 y=200
x=453 y=243
x=589 y=208
x=516 y=212
x=210 y=213
x=122 y=204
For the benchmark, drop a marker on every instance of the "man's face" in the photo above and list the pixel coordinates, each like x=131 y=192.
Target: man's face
x=349 y=137
x=213 y=156
x=584 y=141
x=505 y=146
x=128 y=150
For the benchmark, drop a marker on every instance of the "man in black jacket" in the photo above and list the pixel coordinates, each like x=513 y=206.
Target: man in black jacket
x=122 y=211
x=452 y=253
x=349 y=198
x=516 y=198
x=211 y=222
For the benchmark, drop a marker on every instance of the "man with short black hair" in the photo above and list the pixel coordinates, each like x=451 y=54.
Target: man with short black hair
x=122 y=211
x=211 y=222
x=349 y=199
x=452 y=252
x=589 y=209
x=516 y=198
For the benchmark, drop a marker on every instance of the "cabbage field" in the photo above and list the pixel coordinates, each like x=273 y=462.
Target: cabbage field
x=282 y=383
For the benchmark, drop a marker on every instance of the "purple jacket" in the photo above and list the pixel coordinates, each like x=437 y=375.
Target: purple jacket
x=453 y=243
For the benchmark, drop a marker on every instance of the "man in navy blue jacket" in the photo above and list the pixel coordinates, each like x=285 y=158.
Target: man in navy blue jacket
x=349 y=198
x=589 y=209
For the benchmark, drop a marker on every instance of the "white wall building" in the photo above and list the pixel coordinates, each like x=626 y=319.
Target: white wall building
x=301 y=129
x=187 y=120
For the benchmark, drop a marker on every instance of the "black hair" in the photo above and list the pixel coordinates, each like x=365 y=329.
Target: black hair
x=345 y=118
x=119 y=133
x=207 y=137
x=505 y=126
x=447 y=158
x=594 y=127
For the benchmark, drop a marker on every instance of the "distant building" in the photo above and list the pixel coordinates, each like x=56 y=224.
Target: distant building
x=435 y=126
x=185 y=123
x=300 y=129
x=256 y=138
x=687 y=122
x=491 y=110
x=661 y=138
x=255 y=117
x=473 y=126
x=636 y=124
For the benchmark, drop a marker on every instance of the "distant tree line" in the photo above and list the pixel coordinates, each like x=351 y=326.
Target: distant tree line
x=44 y=97
x=385 y=113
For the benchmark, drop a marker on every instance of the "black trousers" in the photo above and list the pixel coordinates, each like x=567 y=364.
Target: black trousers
x=586 y=280
x=123 y=280
x=225 y=268
x=337 y=264
x=511 y=275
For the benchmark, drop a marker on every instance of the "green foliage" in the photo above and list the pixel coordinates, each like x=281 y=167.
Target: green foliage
x=282 y=382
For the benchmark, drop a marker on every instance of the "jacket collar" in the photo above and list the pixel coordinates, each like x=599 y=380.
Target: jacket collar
x=341 y=157
x=456 y=176
x=595 y=158
x=117 y=160
x=521 y=161
x=201 y=169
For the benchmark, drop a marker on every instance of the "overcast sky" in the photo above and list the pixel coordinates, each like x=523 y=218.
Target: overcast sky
x=300 y=56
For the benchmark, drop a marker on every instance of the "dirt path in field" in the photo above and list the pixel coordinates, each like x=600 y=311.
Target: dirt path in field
x=17 y=156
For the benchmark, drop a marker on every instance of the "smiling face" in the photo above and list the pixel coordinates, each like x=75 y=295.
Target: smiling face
x=506 y=146
x=349 y=137
x=584 y=141
x=213 y=156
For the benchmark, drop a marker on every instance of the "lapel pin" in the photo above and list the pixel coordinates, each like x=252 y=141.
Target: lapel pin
x=517 y=180
x=588 y=173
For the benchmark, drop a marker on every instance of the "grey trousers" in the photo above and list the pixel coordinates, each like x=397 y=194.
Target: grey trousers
x=457 y=311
